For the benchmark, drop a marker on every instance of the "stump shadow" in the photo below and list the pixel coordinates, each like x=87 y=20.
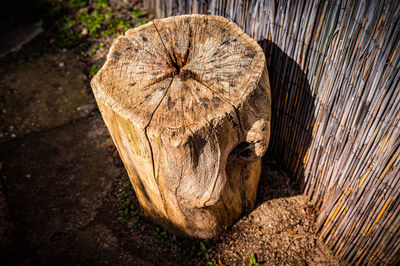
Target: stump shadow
x=292 y=120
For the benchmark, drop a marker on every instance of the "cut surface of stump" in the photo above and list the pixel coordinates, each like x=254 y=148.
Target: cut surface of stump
x=187 y=102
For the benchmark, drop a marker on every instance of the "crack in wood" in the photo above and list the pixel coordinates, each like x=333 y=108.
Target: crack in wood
x=151 y=149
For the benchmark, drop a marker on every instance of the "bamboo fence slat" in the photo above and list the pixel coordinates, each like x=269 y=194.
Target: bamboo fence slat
x=335 y=85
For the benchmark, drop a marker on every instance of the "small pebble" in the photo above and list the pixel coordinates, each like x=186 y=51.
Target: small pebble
x=61 y=64
x=13 y=135
x=86 y=108
x=28 y=175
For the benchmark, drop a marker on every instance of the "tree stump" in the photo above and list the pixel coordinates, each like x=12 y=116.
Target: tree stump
x=187 y=102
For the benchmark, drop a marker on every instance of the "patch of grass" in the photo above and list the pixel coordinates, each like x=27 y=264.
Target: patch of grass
x=136 y=213
x=83 y=47
x=140 y=22
x=92 y=21
x=137 y=13
x=115 y=26
x=78 y=24
x=253 y=260
x=129 y=186
x=93 y=49
x=76 y=4
x=136 y=224
x=128 y=208
x=93 y=71
x=102 y=3
x=162 y=235
x=205 y=253
x=174 y=242
x=125 y=202
x=56 y=9
x=68 y=22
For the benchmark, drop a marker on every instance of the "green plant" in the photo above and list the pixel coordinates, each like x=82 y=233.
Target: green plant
x=129 y=209
x=253 y=260
x=140 y=22
x=83 y=47
x=212 y=263
x=137 y=213
x=161 y=234
x=136 y=224
x=93 y=50
x=126 y=203
x=75 y=24
x=56 y=9
x=102 y=3
x=205 y=252
x=175 y=243
x=92 y=21
x=116 y=25
x=76 y=4
x=136 y=14
x=68 y=22
x=129 y=186
x=93 y=70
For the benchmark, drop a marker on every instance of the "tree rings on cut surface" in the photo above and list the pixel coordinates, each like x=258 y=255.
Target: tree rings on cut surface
x=183 y=98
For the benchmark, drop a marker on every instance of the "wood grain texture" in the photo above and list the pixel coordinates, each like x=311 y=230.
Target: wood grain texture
x=187 y=102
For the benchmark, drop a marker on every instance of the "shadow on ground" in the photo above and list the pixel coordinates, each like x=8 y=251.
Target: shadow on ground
x=283 y=166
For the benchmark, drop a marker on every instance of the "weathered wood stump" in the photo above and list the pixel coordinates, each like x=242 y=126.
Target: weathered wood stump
x=187 y=102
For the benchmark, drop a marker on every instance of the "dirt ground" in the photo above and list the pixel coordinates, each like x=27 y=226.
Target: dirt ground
x=65 y=197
